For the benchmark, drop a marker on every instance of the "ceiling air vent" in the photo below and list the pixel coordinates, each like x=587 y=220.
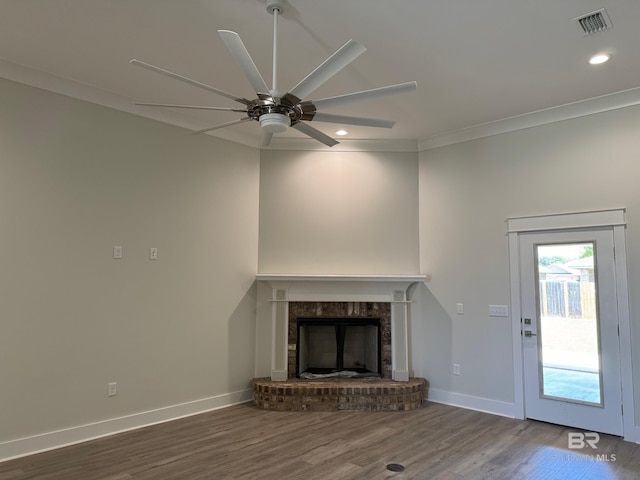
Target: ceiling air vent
x=594 y=22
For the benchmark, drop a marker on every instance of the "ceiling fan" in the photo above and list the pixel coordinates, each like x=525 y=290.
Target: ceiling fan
x=275 y=111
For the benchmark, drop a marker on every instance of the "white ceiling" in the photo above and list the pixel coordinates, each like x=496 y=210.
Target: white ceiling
x=477 y=63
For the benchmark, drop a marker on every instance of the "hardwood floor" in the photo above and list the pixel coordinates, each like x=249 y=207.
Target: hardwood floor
x=242 y=442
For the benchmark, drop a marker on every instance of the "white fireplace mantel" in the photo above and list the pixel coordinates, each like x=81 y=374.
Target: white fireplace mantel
x=305 y=277
x=340 y=288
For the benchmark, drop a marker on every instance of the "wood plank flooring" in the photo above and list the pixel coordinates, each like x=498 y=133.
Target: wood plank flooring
x=437 y=442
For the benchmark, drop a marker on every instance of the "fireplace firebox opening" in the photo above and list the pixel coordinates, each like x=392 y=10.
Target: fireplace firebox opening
x=328 y=346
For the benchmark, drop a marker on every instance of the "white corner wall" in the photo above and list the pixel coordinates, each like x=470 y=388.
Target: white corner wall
x=467 y=191
x=176 y=334
x=334 y=213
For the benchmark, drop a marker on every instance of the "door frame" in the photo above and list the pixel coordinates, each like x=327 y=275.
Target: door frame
x=615 y=219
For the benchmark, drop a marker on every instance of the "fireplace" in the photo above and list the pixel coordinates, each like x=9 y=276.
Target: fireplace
x=339 y=339
x=363 y=322
x=290 y=297
x=342 y=346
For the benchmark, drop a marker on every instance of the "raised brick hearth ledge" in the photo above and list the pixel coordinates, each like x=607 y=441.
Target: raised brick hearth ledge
x=362 y=394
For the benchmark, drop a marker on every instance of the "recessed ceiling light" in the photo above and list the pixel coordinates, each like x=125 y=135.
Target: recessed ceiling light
x=341 y=132
x=599 y=58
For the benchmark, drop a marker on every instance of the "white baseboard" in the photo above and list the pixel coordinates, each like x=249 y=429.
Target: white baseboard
x=486 y=405
x=61 y=438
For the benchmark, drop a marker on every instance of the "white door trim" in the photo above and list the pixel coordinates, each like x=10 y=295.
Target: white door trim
x=631 y=432
x=567 y=221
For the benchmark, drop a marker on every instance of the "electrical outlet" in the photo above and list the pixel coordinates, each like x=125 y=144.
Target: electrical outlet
x=153 y=253
x=498 y=311
x=117 y=251
x=456 y=369
x=112 y=389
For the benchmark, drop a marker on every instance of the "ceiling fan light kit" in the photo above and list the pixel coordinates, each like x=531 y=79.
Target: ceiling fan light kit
x=275 y=122
x=277 y=112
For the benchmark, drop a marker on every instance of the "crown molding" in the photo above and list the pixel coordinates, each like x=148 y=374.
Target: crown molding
x=345 y=145
x=590 y=106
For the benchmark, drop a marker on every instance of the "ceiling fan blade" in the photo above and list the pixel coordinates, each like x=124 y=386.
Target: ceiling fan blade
x=197 y=107
x=222 y=125
x=265 y=140
x=241 y=55
x=332 y=65
x=315 y=134
x=375 y=93
x=195 y=83
x=365 y=122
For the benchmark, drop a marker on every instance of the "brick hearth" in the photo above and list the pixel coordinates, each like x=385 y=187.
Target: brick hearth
x=362 y=394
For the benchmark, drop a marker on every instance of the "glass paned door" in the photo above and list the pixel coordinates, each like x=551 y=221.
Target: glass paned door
x=569 y=341
x=570 y=345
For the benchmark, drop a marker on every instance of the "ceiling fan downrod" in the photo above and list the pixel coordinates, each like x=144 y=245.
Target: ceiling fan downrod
x=275 y=8
x=275 y=121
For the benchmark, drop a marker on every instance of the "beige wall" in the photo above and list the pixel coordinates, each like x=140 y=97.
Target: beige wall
x=338 y=212
x=77 y=179
x=467 y=191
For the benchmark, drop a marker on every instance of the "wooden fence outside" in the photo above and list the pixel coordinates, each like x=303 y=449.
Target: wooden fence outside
x=567 y=299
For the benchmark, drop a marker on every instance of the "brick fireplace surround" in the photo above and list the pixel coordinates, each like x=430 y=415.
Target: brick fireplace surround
x=340 y=296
